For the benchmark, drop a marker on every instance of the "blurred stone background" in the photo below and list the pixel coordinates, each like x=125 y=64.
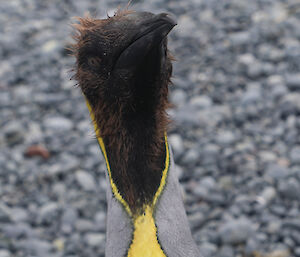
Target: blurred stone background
x=235 y=133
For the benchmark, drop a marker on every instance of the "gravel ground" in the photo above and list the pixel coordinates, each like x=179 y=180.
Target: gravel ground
x=235 y=133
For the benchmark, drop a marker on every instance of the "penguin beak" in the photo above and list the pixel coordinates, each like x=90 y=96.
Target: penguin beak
x=150 y=33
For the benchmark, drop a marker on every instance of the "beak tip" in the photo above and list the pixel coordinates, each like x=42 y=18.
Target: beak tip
x=169 y=18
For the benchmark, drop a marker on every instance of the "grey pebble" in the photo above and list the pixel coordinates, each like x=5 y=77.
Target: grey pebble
x=85 y=180
x=225 y=138
x=100 y=221
x=176 y=143
x=208 y=182
x=4 y=213
x=236 y=231
x=5 y=99
x=239 y=38
x=295 y=155
x=293 y=224
x=14 y=132
x=48 y=212
x=297 y=251
x=191 y=156
x=18 y=230
x=51 y=46
x=94 y=239
x=83 y=225
x=252 y=95
x=268 y=195
x=226 y=251
x=64 y=164
x=208 y=249
x=293 y=81
x=290 y=189
x=58 y=124
x=69 y=219
x=36 y=247
x=251 y=246
x=178 y=97
x=4 y=253
x=275 y=171
x=201 y=101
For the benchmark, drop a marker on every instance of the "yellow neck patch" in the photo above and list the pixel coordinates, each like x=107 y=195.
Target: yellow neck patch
x=144 y=242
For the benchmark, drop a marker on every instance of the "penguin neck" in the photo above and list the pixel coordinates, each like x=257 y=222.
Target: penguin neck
x=156 y=228
x=135 y=156
x=162 y=228
x=137 y=160
x=142 y=224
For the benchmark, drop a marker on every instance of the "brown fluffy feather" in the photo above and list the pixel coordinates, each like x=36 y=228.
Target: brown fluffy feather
x=136 y=155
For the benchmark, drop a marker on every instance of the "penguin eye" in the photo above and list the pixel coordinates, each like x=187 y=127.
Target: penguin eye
x=94 y=62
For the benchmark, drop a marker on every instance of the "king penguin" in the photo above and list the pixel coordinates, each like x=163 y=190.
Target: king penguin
x=123 y=67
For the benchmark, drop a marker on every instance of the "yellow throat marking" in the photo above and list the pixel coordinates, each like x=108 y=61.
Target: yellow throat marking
x=144 y=242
